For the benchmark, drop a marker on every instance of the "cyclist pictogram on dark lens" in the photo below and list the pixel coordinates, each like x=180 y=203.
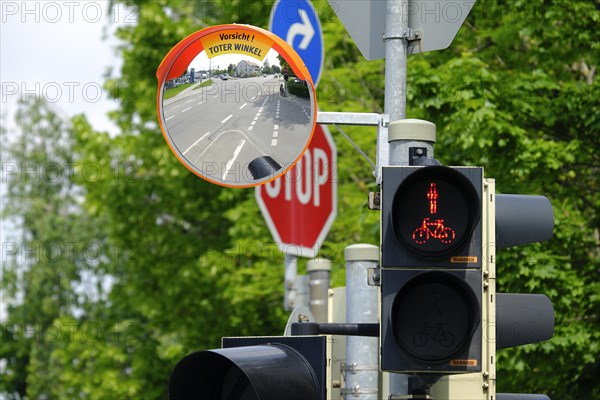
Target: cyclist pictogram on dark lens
x=433 y=332
x=433 y=228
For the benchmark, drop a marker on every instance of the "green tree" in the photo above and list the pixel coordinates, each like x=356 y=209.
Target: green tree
x=516 y=92
x=52 y=261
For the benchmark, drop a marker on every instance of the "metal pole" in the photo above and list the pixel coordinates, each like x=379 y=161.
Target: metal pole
x=300 y=294
x=291 y=271
x=362 y=353
x=396 y=45
x=318 y=270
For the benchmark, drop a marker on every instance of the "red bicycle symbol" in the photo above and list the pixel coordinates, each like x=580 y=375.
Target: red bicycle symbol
x=433 y=229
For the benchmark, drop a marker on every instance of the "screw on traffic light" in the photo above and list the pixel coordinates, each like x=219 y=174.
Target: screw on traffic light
x=431 y=257
x=254 y=368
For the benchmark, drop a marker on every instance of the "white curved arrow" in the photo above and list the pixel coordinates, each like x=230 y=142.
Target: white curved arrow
x=303 y=28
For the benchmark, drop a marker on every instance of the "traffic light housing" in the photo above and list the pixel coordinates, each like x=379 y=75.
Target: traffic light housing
x=441 y=318
x=254 y=368
x=415 y=200
x=431 y=276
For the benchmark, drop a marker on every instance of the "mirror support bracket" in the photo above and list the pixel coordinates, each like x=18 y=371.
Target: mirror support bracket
x=350 y=118
x=381 y=121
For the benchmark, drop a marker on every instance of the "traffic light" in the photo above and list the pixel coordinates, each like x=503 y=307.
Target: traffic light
x=431 y=269
x=441 y=318
x=254 y=368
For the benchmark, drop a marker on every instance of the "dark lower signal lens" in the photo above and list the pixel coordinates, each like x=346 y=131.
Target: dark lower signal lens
x=434 y=316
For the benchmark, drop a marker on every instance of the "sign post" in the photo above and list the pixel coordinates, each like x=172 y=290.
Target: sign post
x=296 y=22
x=300 y=207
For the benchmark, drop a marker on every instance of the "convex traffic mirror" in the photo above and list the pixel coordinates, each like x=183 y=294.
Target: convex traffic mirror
x=236 y=104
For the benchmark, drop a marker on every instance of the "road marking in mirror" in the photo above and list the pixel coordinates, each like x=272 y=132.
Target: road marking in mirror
x=232 y=160
x=196 y=142
x=275 y=135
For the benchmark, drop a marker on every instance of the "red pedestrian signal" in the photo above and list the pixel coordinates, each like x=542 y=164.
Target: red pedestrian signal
x=434 y=211
x=432 y=195
x=433 y=228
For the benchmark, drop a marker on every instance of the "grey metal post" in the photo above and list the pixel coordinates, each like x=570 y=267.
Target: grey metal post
x=318 y=270
x=300 y=291
x=396 y=45
x=291 y=271
x=362 y=353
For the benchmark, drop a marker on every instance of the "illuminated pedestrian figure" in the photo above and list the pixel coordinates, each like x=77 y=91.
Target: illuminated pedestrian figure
x=432 y=195
x=433 y=228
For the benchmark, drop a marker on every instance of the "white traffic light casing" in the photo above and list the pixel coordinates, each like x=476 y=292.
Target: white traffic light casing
x=431 y=269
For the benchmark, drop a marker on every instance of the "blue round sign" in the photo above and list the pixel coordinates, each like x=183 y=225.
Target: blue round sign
x=296 y=22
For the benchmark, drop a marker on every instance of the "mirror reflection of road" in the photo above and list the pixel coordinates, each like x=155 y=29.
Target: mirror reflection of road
x=221 y=128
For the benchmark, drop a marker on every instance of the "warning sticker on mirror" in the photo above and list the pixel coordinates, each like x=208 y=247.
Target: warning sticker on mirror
x=233 y=42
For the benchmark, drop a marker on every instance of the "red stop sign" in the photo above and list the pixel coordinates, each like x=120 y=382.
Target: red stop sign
x=300 y=206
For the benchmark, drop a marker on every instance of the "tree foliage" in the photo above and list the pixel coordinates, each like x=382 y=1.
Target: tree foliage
x=516 y=93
